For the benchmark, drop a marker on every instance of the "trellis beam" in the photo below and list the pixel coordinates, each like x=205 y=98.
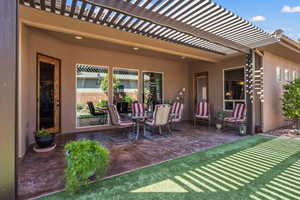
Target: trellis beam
x=148 y=15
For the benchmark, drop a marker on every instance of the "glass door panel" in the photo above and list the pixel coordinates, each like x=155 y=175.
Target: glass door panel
x=153 y=89
x=48 y=94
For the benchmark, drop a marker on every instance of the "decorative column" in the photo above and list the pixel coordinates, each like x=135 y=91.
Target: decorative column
x=249 y=74
x=254 y=89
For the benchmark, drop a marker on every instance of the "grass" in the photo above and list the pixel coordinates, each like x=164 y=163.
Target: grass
x=257 y=168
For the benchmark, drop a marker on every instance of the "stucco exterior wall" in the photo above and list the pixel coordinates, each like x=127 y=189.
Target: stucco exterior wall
x=215 y=80
x=175 y=77
x=272 y=112
x=24 y=90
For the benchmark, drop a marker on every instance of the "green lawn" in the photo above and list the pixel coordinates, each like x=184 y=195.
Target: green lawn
x=257 y=167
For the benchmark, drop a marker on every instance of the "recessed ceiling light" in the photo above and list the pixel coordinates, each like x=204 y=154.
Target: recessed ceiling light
x=78 y=37
x=135 y=48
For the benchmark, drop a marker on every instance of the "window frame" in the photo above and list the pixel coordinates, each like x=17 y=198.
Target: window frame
x=294 y=75
x=223 y=88
x=287 y=76
x=281 y=74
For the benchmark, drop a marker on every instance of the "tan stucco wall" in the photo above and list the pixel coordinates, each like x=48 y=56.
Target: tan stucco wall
x=35 y=41
x=215 y=82
x=24 y=90
x=272 y=112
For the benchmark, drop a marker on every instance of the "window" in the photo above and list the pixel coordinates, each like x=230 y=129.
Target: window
x=234 y=88
x=278 y=74
x=153 y=89
x=294 y=76
x=125 y=88
x=91 y=95
x=286 y=75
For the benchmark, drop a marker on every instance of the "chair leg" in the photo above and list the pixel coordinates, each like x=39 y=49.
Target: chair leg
x=160 y=132
x=194 y=122
x=169 y=128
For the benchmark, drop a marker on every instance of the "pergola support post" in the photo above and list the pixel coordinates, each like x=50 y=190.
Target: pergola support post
x=249 y=74
x=8 y=60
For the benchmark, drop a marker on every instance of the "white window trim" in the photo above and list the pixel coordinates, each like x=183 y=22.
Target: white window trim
x=223 y=85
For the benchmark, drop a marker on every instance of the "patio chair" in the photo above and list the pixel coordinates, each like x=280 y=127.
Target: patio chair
x=202 y=113
x=138 y=109
x=176 y=114
x=238 y=115
x=116 y=119
x=176 y=111
x=160 y=118
x=100 y=114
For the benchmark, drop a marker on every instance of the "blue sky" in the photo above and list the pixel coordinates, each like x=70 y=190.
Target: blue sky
x=268 y=14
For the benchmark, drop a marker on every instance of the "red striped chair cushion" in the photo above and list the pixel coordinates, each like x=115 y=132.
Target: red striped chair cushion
x=177 y=109
x=138 y=109
x=239 y=111
x=202 y=109
x=238 y=115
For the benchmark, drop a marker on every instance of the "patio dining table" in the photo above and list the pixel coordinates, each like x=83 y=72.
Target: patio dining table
x=139 y=120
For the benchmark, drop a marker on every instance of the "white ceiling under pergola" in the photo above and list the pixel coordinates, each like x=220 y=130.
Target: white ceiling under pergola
x=200 y=24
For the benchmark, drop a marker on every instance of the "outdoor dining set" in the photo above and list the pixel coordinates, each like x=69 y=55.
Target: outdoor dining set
x=163 y=116
x=166 y=115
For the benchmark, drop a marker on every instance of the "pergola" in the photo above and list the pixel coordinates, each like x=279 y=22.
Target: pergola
x=200 y=24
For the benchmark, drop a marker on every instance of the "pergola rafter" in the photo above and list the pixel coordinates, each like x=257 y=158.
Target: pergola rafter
x=200 y=24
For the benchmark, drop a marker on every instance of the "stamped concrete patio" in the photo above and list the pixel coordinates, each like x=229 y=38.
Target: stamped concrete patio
x=44 y=172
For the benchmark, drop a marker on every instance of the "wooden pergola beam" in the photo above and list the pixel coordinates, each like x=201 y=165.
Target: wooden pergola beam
x=148 y=15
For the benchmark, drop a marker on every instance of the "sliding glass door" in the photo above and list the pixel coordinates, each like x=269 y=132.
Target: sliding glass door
x=125 y=88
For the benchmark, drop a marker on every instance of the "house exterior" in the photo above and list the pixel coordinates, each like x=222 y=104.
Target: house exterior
x=53 y=35
x=47 y=34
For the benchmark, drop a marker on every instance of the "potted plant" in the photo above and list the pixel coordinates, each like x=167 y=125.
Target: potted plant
x=85 y=158
x=44 y=138
x=219 y=121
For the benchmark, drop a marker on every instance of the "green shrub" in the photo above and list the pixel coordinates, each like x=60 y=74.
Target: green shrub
x=102 y=103
x=42 y=132
x=291 y=101
x=79 y=106
x=85 y=158
x=220 y=116
x=127 y=99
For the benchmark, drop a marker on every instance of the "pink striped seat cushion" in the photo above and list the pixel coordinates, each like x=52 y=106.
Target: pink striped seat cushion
x=149 y=122
x=202 y=110
x=201 y=117
x=125 y=123
x=138 y=109
x=231 y=119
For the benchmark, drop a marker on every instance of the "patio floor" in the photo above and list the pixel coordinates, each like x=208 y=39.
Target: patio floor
x=253 y=168
x=43 y=173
